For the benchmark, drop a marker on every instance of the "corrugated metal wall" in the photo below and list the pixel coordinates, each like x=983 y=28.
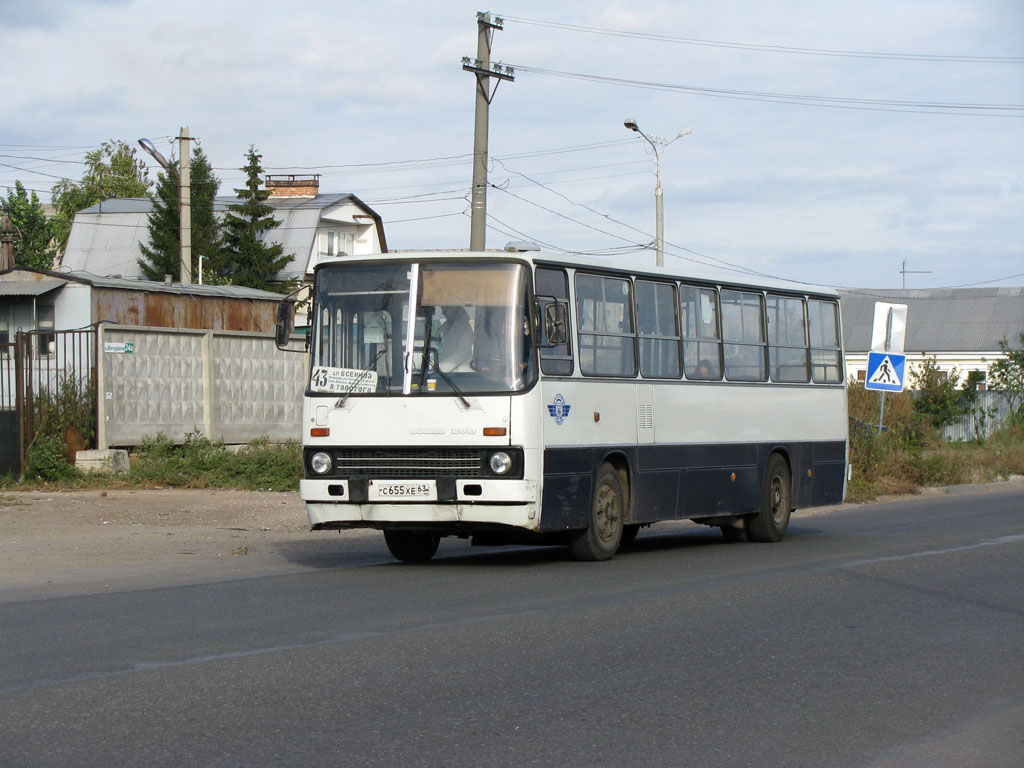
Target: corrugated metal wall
x=230 y=386
x=997 y=410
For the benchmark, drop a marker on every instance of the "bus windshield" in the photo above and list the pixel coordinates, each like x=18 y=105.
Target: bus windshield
x=422 y=328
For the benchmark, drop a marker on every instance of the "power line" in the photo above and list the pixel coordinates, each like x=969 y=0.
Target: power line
x=834 y=102
x=435 y=162
x=772 y=48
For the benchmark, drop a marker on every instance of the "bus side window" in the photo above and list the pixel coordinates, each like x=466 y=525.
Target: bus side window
x=787 y=339
x=826 y=367
x=744 y=336
x=604 y=307
x=658 y=324
x=702 y=340
x=554 y=284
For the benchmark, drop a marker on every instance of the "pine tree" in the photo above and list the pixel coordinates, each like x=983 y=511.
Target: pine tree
x=164 y=255
x=246 y=258
x=32 y=248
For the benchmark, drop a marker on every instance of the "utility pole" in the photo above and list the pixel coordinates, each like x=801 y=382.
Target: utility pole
x=481 y=67
x=185 y=204
x=184 y=196
x=7 y=237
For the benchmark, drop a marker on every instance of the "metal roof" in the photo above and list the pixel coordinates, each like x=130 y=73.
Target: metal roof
x=48 y=281
x=105 y=237
x=939 y=319
x=29 y=287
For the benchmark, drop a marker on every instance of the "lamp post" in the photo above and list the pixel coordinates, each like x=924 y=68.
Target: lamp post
x=184 y=197
x=658 y=145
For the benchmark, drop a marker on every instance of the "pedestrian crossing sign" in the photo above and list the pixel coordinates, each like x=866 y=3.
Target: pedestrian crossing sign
x=886 y=371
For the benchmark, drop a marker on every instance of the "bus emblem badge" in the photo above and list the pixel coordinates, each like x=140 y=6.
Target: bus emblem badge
x=559 y=410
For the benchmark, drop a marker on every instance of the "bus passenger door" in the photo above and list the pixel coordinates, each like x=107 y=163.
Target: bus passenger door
x=658 y=486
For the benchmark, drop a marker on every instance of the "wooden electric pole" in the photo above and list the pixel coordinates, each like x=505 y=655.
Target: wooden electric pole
x=185 y=204
x=7 y=238
x=483 y=70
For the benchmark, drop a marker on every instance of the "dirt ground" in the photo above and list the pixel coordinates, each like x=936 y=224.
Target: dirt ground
x=62 y=543
x=81 y=542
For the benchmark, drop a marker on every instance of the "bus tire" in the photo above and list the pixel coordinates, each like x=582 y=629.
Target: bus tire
x=412 y=546
x=771 y=520
x=603 y=534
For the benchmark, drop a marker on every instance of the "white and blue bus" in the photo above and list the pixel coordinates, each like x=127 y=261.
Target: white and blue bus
x=590 y=399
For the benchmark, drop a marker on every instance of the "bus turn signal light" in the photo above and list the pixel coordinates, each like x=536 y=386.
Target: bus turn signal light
x=495 y=431
x=320 y=432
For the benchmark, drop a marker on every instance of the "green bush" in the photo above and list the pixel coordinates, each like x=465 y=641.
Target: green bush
x=46 y=460
x=938 y=397
x=202 y=463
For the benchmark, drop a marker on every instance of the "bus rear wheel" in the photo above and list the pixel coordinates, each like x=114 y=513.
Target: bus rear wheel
x=603 y=533
x=771 y=520
x=412 y=546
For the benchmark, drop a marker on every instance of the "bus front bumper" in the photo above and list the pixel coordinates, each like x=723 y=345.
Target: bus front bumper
x=493 y=502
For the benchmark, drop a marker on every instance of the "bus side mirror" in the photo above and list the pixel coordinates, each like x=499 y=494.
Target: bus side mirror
x=556 y=323
x=283 y=331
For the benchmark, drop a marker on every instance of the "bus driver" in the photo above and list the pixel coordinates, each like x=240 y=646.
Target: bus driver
x=456 y=346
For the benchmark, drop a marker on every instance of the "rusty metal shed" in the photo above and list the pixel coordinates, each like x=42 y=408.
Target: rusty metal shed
x=83 y=299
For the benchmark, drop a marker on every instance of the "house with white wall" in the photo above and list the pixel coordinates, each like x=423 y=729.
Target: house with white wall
x=105 y=237
x=959 y=327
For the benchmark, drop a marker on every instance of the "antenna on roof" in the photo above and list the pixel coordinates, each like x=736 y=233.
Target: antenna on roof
x=904 y=271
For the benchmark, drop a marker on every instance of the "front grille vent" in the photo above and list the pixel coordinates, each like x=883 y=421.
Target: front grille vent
x=413 y=462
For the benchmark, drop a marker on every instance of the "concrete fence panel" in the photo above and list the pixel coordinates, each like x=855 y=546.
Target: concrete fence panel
x=231 y=386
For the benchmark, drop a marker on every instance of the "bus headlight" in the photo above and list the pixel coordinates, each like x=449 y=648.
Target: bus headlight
x=320 y=463
x=500 y=463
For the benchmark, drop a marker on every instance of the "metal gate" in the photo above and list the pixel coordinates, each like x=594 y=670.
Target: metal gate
x=47 y=387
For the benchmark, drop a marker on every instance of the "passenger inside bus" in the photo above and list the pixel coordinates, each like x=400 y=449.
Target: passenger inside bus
x=455 y=349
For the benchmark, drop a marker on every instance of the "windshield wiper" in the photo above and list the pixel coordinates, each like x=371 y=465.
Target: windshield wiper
x=447 y=380
x=359 y=379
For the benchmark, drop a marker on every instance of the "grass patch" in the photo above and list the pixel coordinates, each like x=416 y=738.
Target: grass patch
x=202 y=463
x=158 y=462
x=910 y=453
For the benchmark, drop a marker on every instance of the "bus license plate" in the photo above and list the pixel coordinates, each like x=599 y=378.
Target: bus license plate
x=399 y=490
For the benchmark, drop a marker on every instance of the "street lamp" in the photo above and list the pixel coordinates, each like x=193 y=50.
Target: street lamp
x=184 y=197
x=658 y=145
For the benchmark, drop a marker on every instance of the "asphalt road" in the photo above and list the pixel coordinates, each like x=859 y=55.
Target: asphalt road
x=888 y=635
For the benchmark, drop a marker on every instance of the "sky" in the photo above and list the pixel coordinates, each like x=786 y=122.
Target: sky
x=903 y=169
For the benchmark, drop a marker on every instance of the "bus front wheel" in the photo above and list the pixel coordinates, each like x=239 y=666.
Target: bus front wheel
x=603 y=533
x=412 y=546
x=771 y=520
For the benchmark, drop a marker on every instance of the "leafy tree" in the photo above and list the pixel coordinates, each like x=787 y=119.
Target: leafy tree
x=33 y=230
x=110 y=171
x=1007 y=377
x=938 y=394
x=163 y=258
x=247 y=259
x=973 y=405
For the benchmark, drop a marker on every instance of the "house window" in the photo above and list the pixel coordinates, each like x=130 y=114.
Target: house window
x=45 y=315
x=334 y=243
x=862 y=375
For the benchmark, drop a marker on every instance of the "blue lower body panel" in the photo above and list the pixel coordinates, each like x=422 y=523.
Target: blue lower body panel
x=673 y=482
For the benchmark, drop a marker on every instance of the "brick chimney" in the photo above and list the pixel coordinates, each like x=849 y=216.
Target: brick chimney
x=293 y=186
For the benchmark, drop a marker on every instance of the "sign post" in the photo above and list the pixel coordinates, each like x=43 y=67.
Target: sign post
x=886 y=362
